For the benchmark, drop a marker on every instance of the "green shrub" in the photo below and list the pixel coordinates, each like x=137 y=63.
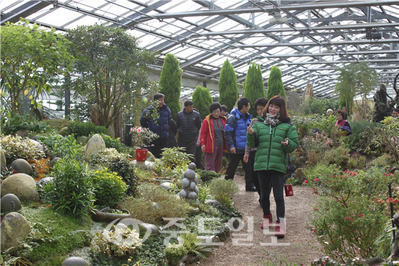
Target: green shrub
x=57 y=124
x=106 y=156
x=358 y=139
x=14 y=147
x=125 y=170
x=109 y=188
x=350 y=213
x=318 y=106
x=85 y=129
x=171 y=158
x=60 y=146
x=207 y=176
x=338 y=156
x=174 y=253
x=223 y=189
x=71 y=191
x=15 y=122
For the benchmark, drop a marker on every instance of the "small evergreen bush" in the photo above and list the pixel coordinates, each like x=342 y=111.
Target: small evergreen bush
x=79 y=128
x=125 y=170
x=223 y=189
x=174 y=253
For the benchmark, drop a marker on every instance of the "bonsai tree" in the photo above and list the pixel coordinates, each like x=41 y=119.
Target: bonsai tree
x=111 y=69
x=31 y=59
x=228 y=85
x=170 y=83
x=275 y=84
x=202 y=99
x=253 y=86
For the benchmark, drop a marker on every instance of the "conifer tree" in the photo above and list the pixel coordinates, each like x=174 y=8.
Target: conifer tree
x=170 y=83
x=275 y=84
x=228 y=85
x=202 y=99
x=253 y=86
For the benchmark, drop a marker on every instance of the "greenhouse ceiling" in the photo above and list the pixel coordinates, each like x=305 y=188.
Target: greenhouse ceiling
x=308 y=40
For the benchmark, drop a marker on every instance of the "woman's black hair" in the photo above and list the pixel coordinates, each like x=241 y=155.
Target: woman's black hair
x=214 y=106
x=280 y=102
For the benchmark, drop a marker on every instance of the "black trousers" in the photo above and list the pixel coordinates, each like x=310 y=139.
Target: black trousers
x=234 y=160
x=252 y=173
x=191 y=148
x=157 y=146
x=268 y=180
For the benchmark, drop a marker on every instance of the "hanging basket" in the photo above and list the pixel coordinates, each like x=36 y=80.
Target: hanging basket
x=141 y=154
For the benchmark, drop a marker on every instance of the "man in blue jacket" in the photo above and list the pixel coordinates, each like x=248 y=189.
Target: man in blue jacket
x=236 y=138
x=159 y=125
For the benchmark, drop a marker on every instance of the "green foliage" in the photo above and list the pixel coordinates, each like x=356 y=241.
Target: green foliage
x=318 y=106
x=253 y=86
x=349 y=215
x=109 y=188
x=306 y=123
x=17 y=122
x=111 y=69
x=172 y=158
x=207 y=176
x=228 y=85
x=144 y=209
x=53 y=235
x=60 y=146
x=125 y=170
x=15 y=147
x=360 y=138
x=202 y=100
x=203 y=192
x=31 y=59
x=223 y=189
x=70 y=192
x=79 y=128
x=106 y=156
x=170 y=82
x=174 y=253
x=389 y=136
x=57 y=124
x=193 y=244
x=275 y=84
x=337 y=156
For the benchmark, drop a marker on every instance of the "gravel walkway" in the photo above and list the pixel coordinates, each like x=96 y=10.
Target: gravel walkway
x=300 y=247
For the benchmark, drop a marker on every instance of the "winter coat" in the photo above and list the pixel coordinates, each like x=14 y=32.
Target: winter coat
x=188 y=125
x=271 y=154
x=236 y=130
x=207 y=136
x=160 y=125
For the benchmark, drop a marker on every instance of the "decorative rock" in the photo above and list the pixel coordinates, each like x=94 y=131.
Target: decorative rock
x=227 y=230
x=183 y=194
x=22 y=166
x=166 y=185
x=94 y=145
x=192 y=166
x=194 y=211
x=10 y=203
x=3 y=161
x=214 y=203
x=143 y=165
x=44 y=181
x=22 y=185
x=63 y=131
x=152 y=227
x=37 y=145
x=13 y=229
x=74 y=261
x=189 y=174
x=192 y=195
x=21 y=133
x=185 y=182
x=193 y=186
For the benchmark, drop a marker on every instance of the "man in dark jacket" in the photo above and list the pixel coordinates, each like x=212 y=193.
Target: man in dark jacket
x=157 y=123
x=236 y=138
x=188 y=124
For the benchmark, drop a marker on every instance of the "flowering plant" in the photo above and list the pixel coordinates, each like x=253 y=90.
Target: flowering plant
x=118 y=242
x=142 y=136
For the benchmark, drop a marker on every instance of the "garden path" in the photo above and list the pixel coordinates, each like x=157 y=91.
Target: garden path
x=303 y=246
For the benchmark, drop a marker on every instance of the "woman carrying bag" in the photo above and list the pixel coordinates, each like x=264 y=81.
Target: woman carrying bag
x=275 y=137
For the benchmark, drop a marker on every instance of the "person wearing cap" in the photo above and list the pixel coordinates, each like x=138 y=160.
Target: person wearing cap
x=330 y=112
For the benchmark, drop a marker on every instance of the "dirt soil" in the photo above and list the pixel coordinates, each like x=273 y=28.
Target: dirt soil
x=301 y=246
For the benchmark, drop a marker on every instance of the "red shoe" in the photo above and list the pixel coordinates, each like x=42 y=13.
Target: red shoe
x=280 y=230
x=267 y=221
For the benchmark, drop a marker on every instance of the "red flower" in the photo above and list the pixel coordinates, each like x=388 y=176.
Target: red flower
x=305 y=182
x=316 y=179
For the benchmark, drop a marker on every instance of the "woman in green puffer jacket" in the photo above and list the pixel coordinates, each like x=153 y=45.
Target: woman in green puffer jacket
x=275 y=137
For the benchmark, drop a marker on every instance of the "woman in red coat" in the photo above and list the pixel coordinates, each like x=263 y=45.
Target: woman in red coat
x=212 y=138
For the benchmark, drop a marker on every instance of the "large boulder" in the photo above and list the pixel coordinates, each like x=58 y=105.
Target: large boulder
x=10 y=203
x=94 y=145
x=74 y=261
x=13 y=228
x=3 y=161
x=22 y=185
x=22 y=166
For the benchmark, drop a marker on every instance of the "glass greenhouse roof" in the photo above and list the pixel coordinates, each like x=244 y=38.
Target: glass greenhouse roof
x=308 y=42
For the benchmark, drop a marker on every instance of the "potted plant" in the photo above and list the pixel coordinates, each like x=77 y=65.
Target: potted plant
x=142 y=137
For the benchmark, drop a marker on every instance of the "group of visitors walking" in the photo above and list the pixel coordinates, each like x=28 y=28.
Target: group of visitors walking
x=261 y=144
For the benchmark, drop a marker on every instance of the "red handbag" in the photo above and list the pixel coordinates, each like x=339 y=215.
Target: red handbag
x=288 y=190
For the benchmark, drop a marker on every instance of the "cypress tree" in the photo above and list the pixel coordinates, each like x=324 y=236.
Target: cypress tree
x=170 y=83
x=253 y=86
x=275 y=84
x=202 y=99
x=228 y=85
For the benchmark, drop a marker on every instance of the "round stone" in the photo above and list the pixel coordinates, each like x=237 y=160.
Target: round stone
x=22 y=166
x=10 y=203
x=192 y=195
x=185 y=182
x=192 y=166
x=13 y=229
x=74 y=261
x=22 y=185
x=193 y=186
x=183 y=194
x=190 y=174
x=44 y=181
